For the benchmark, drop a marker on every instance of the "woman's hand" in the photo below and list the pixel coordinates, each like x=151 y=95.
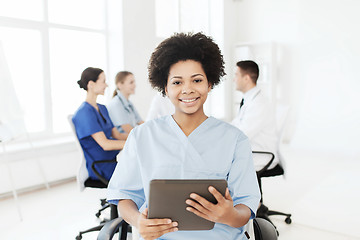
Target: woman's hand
x=151 y=229
x=222 y=212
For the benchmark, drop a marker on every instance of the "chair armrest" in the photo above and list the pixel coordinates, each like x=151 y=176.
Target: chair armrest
x=268 y=164
x=110 y=228
x=101 y=178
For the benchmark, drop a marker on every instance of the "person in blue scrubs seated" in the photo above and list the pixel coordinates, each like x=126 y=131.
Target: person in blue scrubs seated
x=122 y=112
x=187 y=145
x=98 y=137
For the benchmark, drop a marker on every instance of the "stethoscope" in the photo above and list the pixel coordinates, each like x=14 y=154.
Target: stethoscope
x=125 y=107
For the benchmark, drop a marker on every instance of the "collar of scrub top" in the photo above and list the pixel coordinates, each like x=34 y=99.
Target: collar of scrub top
x=127 y=105
x=251 y=94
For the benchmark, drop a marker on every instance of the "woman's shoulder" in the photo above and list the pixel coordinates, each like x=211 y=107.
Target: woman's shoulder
x=84 y=110
x=152 y=126
x=227 y=128
x=115 y=104
x=115 y=100
x=102 y=106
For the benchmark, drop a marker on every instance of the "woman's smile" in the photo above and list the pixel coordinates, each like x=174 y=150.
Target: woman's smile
x=189 y=100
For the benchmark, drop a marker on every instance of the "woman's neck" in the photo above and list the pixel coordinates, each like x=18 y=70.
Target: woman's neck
x=126 y=96
x=189 y=122
x=91 y=99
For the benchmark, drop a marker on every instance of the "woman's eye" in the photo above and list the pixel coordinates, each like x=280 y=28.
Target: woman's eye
x=176 y=82
x=198 y=80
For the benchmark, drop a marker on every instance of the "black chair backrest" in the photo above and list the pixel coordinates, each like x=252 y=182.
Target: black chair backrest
x=94 y=183
x=264 y=230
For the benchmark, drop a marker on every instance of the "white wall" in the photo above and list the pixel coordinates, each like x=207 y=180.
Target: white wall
x=139 y=42
x=28 y=167
x=318 y=71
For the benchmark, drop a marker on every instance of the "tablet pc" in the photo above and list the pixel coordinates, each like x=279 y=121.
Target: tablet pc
x=167 y=200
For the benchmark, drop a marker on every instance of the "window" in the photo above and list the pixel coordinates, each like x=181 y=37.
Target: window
x=30 y=10
x=66 y=67
x=47 y=44
x=22 y=48
x=205 y=16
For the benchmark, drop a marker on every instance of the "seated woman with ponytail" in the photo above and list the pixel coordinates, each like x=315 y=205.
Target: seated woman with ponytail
x=123 y=112
x=98 y=137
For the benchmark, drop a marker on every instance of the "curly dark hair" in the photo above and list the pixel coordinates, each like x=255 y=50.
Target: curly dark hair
x=181 y=47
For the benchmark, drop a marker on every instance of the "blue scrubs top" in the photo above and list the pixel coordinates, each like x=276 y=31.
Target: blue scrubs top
x=87 y=121
x=159 y=149
x=122 y=111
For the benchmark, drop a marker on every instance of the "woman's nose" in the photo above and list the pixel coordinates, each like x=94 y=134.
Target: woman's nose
x=187 y=89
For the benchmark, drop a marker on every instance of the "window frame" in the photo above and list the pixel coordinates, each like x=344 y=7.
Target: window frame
x=44 y=26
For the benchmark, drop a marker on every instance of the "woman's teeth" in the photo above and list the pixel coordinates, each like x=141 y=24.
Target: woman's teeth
x=188 y=100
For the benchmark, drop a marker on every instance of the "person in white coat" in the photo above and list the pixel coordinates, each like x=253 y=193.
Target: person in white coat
x=256 y=116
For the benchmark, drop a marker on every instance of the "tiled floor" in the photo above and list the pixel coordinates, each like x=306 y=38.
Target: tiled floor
x=320 y=191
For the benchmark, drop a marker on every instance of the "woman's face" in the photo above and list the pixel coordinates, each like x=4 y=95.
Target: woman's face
x=127 y=87
x=100 y=85
x=187 y=86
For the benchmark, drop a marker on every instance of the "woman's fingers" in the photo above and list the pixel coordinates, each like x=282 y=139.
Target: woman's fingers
x=199 y=202
x=207 y=210
x=155 y=228
x=155 y=222
x=227 y=194
x=218 y=196
x=158 y=234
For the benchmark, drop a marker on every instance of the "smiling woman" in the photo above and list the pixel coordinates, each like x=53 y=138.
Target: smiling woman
x=185 y=67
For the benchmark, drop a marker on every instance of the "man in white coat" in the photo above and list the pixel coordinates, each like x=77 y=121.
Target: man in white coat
x=256 y=116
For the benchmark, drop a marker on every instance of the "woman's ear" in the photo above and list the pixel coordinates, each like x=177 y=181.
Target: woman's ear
x=118 y=85
x=90 y=84
x=166 y=91
x=210 y=87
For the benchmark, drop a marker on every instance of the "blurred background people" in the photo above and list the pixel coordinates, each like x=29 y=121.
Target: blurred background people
x=256 y=116
x=98 y=137
x=122 y=112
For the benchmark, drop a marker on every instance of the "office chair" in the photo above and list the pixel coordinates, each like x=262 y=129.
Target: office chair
x=264 y=230
x=278 y=170
x=84 y=181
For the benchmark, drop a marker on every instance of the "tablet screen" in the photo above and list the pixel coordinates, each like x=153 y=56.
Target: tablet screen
x=167 y=200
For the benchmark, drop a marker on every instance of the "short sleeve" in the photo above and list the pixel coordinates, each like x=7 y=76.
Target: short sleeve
x=242 y=178
x=126 y=182
x=86 y=123
x=117 y=112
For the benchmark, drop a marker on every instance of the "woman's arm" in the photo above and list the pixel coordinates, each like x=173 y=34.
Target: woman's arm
x=107 y=144
x=118 y=135
x=127 y=128
x=148 y=228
